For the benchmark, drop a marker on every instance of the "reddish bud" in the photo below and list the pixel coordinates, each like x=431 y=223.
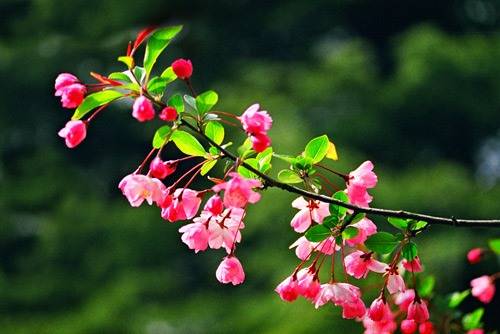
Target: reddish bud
x=182 y=68
x=168 y=114
x=408 y=326
x=418 y=311
x=143 y=109
x=426 y=328
x=475 y=255
x=377 y=310
x=74 y=133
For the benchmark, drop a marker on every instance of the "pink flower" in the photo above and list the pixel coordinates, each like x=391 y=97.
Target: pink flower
x=168 y=114
x=72 y=95
x=230 y=270
x=337 y=293
x=74 y=133
x=195 y=236
x=365 y=228
x=64 y=80
x=483 y=288
x=418 y=311
x=387 y=325
x=214 y=205
x=224 y=229
x=355 y=309
x=287 y=289
x=358 y=264
x=378 y=310
x=143 y=109
x=260 y=141
x=476 y=331
x=404 y=299
x=475 y=255
x=408 y=326
x=238 y=191
x=426 y=328
x=395 y=283
x=255 y=121
x=309 y=211
x=137 y=188
x=306 y=247
x=161 y=169
x=360 y=180
x=413 y=265
x=184 y=205
x=307 y=283
x=182 y=68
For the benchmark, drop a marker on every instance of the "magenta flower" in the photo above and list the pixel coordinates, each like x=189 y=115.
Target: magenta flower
x=195 y=236
x=185 y=204
x=378 y=310
x=138 y=188
x=214 y=205
x=360 y=180
x=74 y=132
x=476 y=331
x=288 y=290
x=230 y=270
x=404 y=299
x=475 y=255
x=358 y=264
x=426 y=328
x=365 y=228
x=183 y=68
x=408 y=326
x=418 y=311
x=168 y=114
x=260 y=141
x=309 y=211
x=413 y=265
x=255 y=120
x=386 y=325
x=238 y=191
x=161 y=169
x=308 y=284
x=143 y=109
x=483 y=288
x=71 y=91
x=354 y=310
x=64 y=80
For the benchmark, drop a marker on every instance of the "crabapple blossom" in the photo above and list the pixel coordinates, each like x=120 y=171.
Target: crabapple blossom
x=184 y=205
x=395 y=282
x=483 y=288
x=168 y=114
x=475 y=255
x=418 y=311
x=404 y=299
x=69 y=88
x=230 y=270
x=260 y=141
x=224 y=229
x=305 y=247
x=413 y=265
x=476 y=331
x=74 y=132
x=309 y=211
x=426 y=328
x=353 y=310
x=288 y=289
x=183 y=68
x=365 y=228
x=408 y=326
x=195 y=236
x=161 y=169
x=378 y=309
x=358 y=264
x=387 y=325
x=143 y=109
x=308 y=284
x=255 y=120
x=214 y=205
x=138 y=188
x=238 y=191
x=360 y=180
x=64 y=80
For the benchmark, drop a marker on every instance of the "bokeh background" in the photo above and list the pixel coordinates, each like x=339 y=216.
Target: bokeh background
x=413 y=86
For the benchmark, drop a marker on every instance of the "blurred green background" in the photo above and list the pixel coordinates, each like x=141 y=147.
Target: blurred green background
x=413 y=86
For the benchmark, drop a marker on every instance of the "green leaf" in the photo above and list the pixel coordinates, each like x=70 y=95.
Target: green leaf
x=399 y=223
x=382 y=242
x=188 y=144
x=265 y=157
x=207 y=166
x=289 y=176
x=303 y=163
x=410 y=251
x=176 y=102
x=127 y=60
x=157 y=42
x=95 y=100
x=215 y=131
x=417 y=225
x=318 y=233
x=160 y=136
x=358 y=217
x=242 y=170
x=245 y=148
x=473 y=320
x=205 y=101
x=157 y=85
x=495 y=245
x=337 y=210
x=286 y=158
x=426 y=286
x=139 y=73
x=120 y=76
x=317 y=148
x=349 y=233
x=331 y=221
x=168 y=75
x=191 y=101
x=456 y=298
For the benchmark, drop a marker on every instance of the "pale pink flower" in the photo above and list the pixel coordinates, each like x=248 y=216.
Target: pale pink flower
x=307 y=283
x=358 y=264
x=408 y=326
x=418 y=311
x=483 y=288
x=238 y=191
x=426 y=328
x=185 y=204
x=360 y=180
x=74 y=132
x=475 y=255
x=255 y=120
x=365 y=228
x=378 y=310
x=288 y=289
x=337 y=293
x=395 y=283
x=225 y=232
x=231 y=271
x=404 y=299
x=305 y=247
x=413 y=265
x=138 y=188
x=195 y=236
x=309 y=211
x=143 y=109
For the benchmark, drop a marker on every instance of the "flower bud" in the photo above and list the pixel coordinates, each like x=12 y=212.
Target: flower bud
x=475 y=255
x=182 y=68
x=377 y=309
x=408 y=326
x=426 y=328
x=288 y=289
x=230 y=270
x=168 y=114
x=74 y=133
x=158 y=169
x=418 y=311
x=143 y=109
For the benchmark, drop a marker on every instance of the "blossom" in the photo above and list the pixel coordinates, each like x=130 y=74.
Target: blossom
x=143 y=109
x=288 y=289
x=475 y=255
x=64 y=80
x=183 y=68
x=161 y=169
x=358 y=264
x=238 y=191
x=230 y=270
x=365 y=228
x=195 y=236
x=305 y=247
x=378 y=309
x=418 y=311
x=137 y=188
x=214 y=205
x=355 y=309
x=404 y=299
x=307 y=283
x=476 y=331
x=168 y=114
x=387 y=325
x=184 y=205
x=413 y=265
x=408 y=326
x=483 y=288
x=338 y=293
x=69 y=88
x=74 y=132
x=426 y=328
x=360 y=180
x=255 y=120
x=309 y=211
x=260 y=141
x=395 y=283
x=224 y=229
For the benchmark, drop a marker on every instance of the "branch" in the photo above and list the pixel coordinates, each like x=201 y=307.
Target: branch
x=270 y=182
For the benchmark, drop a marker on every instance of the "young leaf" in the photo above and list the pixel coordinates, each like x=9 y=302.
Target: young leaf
x=168 y=75
x=289 y=176
x=188 y=144
x=157 y=42
x=418 y=225
x=265 y=157
x=495 y=245
x=349 y=233
x=215 y=131
x=426 y=286
x=473 y=320
x=331 y=153
x=358 y=217
x=207 y=166
x=410 y=251
x=457 y=298
x=337 y=210
x=205 y=101
x=127 y=60
x=95 y=100
x=317 y=148
x=139 y=73
x=176 y=102
x=283 y=157
x=160 y=136
x=157 y=85
x=191 y=101
x=318 y=233
x=247 y=173
x=120 y=76
x=399 y=223
x=382 y=242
